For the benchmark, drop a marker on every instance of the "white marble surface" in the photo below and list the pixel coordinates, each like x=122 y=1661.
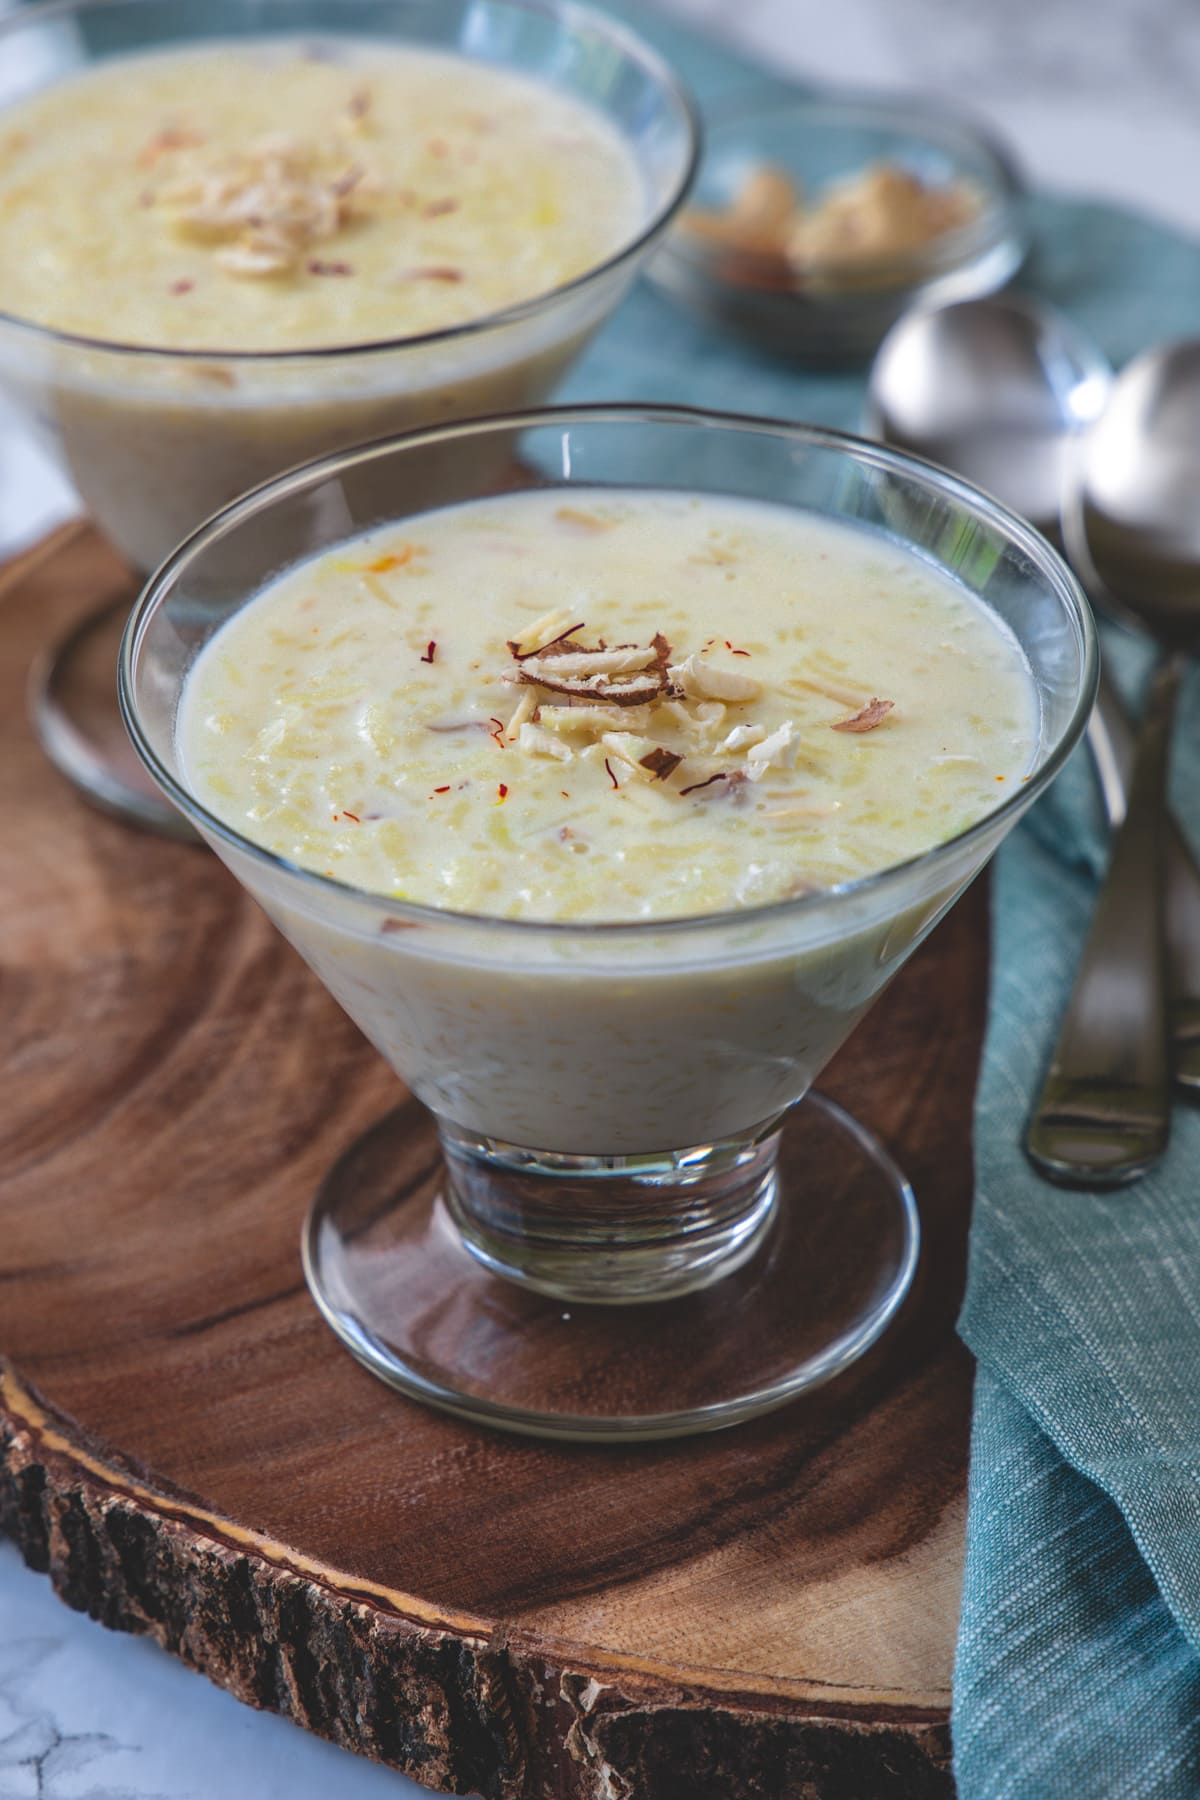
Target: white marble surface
x=1097 y=96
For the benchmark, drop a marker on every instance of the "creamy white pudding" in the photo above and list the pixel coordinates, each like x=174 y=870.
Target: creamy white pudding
x=596 y=707
x=284 y=196
x=250 y=217
x=627 y=706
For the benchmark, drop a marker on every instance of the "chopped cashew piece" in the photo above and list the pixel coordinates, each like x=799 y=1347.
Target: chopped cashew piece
x=742 y=736
x=702 y=680
x=776 y=752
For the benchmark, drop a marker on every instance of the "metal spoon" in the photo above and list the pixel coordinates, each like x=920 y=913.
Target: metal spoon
x=1130 y=525
x=1001 y=391
x=995 y=389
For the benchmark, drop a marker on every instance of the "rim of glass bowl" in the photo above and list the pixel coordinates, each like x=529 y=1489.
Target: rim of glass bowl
x=310 y=474
x=926 y=117
x=568 y=12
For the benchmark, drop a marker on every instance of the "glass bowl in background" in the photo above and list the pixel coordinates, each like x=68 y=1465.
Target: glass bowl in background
x=610 y=1248
x=156 y=440
x=838 y=314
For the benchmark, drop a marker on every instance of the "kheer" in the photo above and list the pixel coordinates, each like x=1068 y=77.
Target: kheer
x=607 y=706
x=274 y=196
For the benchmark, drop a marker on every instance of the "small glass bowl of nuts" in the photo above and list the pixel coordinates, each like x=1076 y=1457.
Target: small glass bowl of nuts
x=817 y=221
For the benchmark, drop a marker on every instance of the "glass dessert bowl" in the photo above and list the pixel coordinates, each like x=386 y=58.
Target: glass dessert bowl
x=819 y=219
x=611 y=1247
x=257 y=298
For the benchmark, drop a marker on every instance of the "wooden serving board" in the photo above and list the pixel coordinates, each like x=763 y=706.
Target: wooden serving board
x=188 y=1452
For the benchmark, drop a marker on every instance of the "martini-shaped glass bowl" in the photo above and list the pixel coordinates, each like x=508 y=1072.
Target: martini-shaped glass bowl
x=610 y=1245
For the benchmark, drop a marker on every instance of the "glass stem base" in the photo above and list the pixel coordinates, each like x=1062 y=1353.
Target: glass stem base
x=611 y=1230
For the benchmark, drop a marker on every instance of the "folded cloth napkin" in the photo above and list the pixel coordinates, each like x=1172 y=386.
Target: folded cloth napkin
x=1078 y=1674
x=1079 y=1650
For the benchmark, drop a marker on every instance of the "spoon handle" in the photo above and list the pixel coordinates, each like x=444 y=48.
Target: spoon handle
x=1113 y=743
x=1103 y=1116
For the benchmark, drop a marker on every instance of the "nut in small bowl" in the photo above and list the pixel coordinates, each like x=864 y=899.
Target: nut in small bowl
x=817 y=222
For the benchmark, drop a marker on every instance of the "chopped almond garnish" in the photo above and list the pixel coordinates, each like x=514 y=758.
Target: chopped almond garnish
x=660 y=762
x=634 y=690
x=535 y=741
x=525 y=710
x=537 y=638
x=593 y=718
x=567 y=665
x=706 y=681
x=742 y=737
x=640 y=754
x=867 y=717
x=263 y=208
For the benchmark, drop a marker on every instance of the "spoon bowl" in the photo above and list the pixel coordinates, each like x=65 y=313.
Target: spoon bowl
x=1132 y=520
x=996 y=389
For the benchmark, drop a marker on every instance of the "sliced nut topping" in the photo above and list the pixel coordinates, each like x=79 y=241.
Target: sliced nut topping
x=526 y=708
x=651 y=761
x=566 y=665
x=265 y=208
x=775 y=752
x=866 y=718
x=660 y=761
x=743 y=736
x=621 y=702
x=551 y=628
x=703 y=680
x=536 y=742
x=634 y=690
x=628 y=675
x=593 y=718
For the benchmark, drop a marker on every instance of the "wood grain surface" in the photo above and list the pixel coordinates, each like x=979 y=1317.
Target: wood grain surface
x=184 y=1447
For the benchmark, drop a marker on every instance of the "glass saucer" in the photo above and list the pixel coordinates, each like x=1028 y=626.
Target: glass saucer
x=395 y=1281
x=74 y=708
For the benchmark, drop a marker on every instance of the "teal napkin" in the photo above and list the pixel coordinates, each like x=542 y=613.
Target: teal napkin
x=1078 y=1672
